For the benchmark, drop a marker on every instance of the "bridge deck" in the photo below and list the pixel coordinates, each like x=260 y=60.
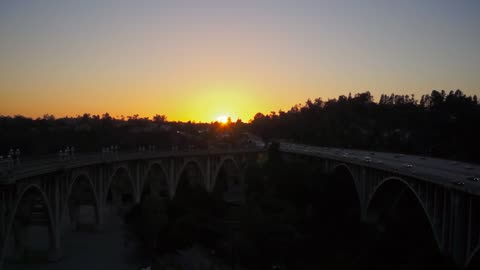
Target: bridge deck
x=444 y=172
x=48 y=164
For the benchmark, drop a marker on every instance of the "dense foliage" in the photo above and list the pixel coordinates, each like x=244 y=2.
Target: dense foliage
x=90 y=133
x=313 y=224
x=439 y=124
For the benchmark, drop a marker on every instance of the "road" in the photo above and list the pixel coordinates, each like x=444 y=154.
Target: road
x=449 y=173
x=47 y=164
x=441 y=171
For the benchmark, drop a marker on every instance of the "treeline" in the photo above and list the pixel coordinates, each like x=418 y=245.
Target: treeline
x=439 y=124
x=90 y=133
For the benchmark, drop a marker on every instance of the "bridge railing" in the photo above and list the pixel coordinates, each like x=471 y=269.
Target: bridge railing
x=5 y=167
x=38 y=164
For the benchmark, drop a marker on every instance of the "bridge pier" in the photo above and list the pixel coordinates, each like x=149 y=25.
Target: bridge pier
x=100 y=215
x=459 y=229
x=208 y=175
x=55 y=251
x=84 y=217
x=98 y=226
x=171 y=179
x=361 y=181
x=20 y=233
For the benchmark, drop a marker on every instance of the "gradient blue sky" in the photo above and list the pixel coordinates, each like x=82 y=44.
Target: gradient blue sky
x=196 y=60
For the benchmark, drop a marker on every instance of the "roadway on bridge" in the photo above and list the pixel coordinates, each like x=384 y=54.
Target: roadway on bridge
x=446 y=172
x=450 y=173
x=34 y=166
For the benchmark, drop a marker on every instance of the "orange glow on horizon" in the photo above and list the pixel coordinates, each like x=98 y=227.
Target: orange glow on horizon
x=196 y=61
x=222 y=119
x=200 y=101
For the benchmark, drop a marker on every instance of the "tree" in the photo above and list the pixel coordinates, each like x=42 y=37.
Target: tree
x=159 y=118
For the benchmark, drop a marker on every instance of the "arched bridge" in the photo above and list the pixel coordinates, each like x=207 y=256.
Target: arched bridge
x=49 y=191
x=448 y=192
x=45 y=191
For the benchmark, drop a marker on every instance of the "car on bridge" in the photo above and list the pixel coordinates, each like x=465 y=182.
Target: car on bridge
x=473 y=178
x=459 y=183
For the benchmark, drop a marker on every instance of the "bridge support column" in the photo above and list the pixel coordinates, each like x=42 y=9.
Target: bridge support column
x=100 y=218
x=99 y=186
x=361 y=185
x=55 y=252
x=137 y=196
x=459 y=228
x=99 y=226
x=20 y=232
x=208 y=177
x=3 y=225
x=171 y=180
x=73 y=214
x=3 y=218
x=138 y=185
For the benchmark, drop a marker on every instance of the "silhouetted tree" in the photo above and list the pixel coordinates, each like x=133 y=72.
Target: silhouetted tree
x=439 y=124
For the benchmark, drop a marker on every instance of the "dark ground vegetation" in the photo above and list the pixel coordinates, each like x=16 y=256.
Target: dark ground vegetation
x=306 y=225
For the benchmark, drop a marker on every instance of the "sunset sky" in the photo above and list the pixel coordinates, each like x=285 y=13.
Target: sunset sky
x=197 y=60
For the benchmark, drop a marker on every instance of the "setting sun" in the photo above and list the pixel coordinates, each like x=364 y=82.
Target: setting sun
x=222 y=119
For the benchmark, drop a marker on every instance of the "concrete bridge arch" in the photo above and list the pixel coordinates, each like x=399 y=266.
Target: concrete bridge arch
x=342 y=198
x=159 y=171
x=473 y=243
x=396 y=186
x=186 y=167
x=228 y=183
x=120 y=191
x=53 y=236
x=473 y=261
x=57 y=182
x=221 y=164
x=115 y=173
x=345 y=171
x=76 y=177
